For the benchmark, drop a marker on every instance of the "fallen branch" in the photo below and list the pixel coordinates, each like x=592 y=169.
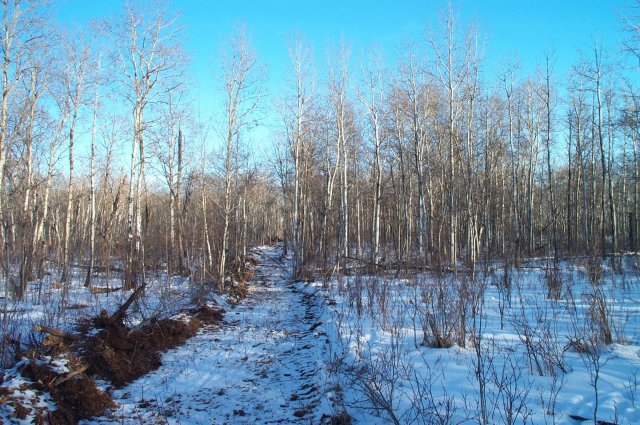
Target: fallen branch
x=118 y=315
x=367 y=262
x=57 y=332
x=61 y=379
x=103 y=290
x=154 y=317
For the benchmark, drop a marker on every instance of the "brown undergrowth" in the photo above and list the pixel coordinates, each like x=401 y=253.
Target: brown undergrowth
x=237 y=285
x=76 y=398
x=120 y=355
x=103 y=347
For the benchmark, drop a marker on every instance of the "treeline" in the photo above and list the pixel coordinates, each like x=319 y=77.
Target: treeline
x=433 y=162
x=108 y=168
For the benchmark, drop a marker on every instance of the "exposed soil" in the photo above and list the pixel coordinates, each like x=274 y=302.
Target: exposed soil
x=120 y=355
x=104 y=348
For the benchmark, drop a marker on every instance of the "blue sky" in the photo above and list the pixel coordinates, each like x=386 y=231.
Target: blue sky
x=510 y=27
x=522 y=29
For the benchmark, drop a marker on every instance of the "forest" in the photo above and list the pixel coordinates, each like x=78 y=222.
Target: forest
x=425 y=164
x=110 y=175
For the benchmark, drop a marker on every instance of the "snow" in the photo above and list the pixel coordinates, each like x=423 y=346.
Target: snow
x=263 y=364
x=425 y=385
x=298 y=352
x=16 y=384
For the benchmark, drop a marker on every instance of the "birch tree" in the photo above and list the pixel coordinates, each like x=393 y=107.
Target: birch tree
x=454 y=64
x=298 y=111
x=243 y=84
x=168 y=148
x=372 y=97
x=507 y=79
x=338 y=87
x=593 y=72
x=92 y=175
x=417 y=92
x=75 y=86
x=547 y=100
x=36 y=86
x=149 y=58
x=22 y=30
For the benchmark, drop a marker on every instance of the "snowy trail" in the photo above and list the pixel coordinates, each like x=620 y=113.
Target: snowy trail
x=264 y=364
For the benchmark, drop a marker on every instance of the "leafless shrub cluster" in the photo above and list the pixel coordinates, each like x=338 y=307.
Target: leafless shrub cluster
x=431 y=403
x=439 y=310
x=377 y=376
x=503 y=389
x=440 y=300
x=536 y=324
x=553 y=280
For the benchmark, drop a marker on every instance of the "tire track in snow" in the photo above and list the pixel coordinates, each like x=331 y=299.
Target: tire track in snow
x=264 y=364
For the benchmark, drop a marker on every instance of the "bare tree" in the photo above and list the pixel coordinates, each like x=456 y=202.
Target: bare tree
x=21 y=33
x=168 y=148
x=372 y=98
x=632 y=26
x=242 y=79
x=452 y=70
x=507 y=79
x=593 y=73
x=417 y=91
x=92 y=174
x=75 y=88
x=36 y=86
x=338 y=92
x=298 y=118
x=150 y=60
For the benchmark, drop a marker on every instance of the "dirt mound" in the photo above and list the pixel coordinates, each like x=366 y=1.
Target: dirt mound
x=76 y=394
x=121 y=355
x=104 y=347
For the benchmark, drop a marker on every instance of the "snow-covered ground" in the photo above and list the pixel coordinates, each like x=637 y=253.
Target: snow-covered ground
x=48 y=303
x=297 y=352
x=518 y=364
x=264 y=364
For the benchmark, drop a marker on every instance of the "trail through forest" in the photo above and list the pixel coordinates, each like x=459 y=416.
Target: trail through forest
x=265 y=363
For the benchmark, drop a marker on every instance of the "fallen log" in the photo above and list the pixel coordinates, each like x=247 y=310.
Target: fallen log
x=61 y=379
x=366 y=262
x=103 y=290
x=118 y=315
x=57 y=332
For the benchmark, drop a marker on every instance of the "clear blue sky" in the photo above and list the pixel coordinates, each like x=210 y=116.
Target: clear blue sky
x=523 y=27
x=510 y=28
